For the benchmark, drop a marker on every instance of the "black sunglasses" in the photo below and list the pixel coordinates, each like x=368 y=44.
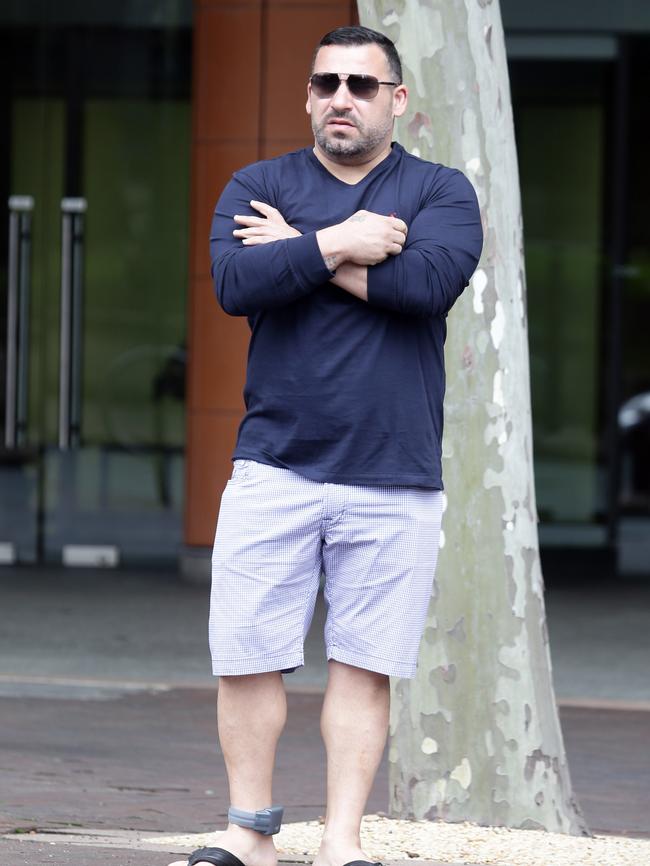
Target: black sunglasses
x=325 y=84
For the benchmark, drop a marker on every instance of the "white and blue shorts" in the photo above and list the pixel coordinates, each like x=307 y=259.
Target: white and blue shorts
x=277 y=531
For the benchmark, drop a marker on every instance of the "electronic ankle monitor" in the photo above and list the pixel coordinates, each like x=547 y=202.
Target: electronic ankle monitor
x=265 y=821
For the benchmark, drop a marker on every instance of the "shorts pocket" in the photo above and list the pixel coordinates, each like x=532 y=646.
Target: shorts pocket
x=240 y=470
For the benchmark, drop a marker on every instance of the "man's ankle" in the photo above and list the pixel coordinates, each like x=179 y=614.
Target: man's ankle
x=339 y=837
x=250 y=837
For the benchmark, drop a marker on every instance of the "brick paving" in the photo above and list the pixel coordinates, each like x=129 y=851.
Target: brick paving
x=150 y=762
x=36 y=853
x=132 y=762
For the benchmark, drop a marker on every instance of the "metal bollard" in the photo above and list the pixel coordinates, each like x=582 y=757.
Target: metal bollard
x=17 y=373
x=70 y=358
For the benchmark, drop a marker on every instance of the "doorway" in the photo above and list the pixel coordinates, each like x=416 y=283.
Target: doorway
x=97 y=139
x=581 y=159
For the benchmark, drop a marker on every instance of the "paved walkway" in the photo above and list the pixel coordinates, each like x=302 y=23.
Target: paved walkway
x=85 y=746
x=90 y=625
x=148 y=761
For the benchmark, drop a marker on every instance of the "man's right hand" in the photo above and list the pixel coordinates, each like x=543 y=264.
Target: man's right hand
x=371 y=237
x=365 y=238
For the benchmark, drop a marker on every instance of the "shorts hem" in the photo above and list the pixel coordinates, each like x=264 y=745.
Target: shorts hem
x=371 y=663
x=263 y=665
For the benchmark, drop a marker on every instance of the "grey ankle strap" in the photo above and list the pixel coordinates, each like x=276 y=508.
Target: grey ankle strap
x=265 y=821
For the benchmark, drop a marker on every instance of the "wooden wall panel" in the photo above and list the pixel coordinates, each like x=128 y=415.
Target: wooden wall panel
x=251 y=64
x=223 y=341
x=214 y=163
x=292 y=31
x=210 y=440
x=227 y=42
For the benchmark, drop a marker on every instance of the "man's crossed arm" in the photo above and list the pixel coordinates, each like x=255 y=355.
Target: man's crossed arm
x=366 y=255
x=348 y=248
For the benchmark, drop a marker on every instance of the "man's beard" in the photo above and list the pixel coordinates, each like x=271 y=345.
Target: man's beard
x=367 y=141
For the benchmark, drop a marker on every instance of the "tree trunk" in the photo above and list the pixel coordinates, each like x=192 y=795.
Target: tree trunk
x=476 y=736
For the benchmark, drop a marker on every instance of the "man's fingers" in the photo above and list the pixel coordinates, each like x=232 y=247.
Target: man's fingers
x=266 y=230
x=401 y=226
x=249 y=220
x=251 y=242
x=251 y=232
x=264 y=208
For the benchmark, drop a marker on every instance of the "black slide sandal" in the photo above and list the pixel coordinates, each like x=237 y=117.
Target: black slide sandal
x=216 y=856
x=363 y=863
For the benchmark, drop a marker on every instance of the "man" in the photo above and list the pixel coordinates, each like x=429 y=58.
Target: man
x=346 y=259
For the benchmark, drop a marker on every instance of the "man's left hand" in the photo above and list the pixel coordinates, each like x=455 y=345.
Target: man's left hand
x=262 y=230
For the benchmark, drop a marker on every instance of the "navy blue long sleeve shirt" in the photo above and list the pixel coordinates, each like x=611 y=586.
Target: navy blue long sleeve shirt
x=339 y=389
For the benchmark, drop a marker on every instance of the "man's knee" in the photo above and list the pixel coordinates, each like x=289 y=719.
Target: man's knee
x=357 y=676
x=249 y=681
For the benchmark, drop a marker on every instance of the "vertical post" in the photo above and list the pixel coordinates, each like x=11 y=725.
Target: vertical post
x=618 y=256
x=72 y=236
x=20 y=243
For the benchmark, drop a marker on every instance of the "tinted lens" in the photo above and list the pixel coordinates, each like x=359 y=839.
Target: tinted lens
x=326 y=84
x=363 y=86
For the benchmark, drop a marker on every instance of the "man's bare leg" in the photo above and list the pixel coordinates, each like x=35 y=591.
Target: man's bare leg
x=251 y=712
x=354 y=724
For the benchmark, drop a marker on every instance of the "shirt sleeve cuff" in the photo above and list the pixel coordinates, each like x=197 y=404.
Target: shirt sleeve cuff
x=307 y=262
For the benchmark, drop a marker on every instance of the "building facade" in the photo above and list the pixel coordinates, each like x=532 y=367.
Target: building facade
x=121 y=378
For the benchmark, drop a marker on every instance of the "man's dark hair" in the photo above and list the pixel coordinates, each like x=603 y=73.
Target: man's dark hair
x=358 y=35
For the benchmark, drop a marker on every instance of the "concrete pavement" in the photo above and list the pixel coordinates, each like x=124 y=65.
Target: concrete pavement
x=148 y=626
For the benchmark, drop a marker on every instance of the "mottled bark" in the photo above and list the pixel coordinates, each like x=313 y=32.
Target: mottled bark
x=476 y=736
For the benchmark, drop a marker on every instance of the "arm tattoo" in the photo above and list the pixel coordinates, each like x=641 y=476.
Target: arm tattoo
x=330 y=263
x=357 y=218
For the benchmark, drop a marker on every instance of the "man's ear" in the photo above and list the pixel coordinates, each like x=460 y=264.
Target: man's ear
x=308 y=106
x=400 y=100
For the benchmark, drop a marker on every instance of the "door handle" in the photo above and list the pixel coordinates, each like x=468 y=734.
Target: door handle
x=20 y=248
x=70 y=346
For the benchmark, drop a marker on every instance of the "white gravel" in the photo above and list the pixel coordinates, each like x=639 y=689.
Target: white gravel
x=388 y=839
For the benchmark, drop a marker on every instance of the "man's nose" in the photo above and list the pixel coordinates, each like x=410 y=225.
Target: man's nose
x=342 y=98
